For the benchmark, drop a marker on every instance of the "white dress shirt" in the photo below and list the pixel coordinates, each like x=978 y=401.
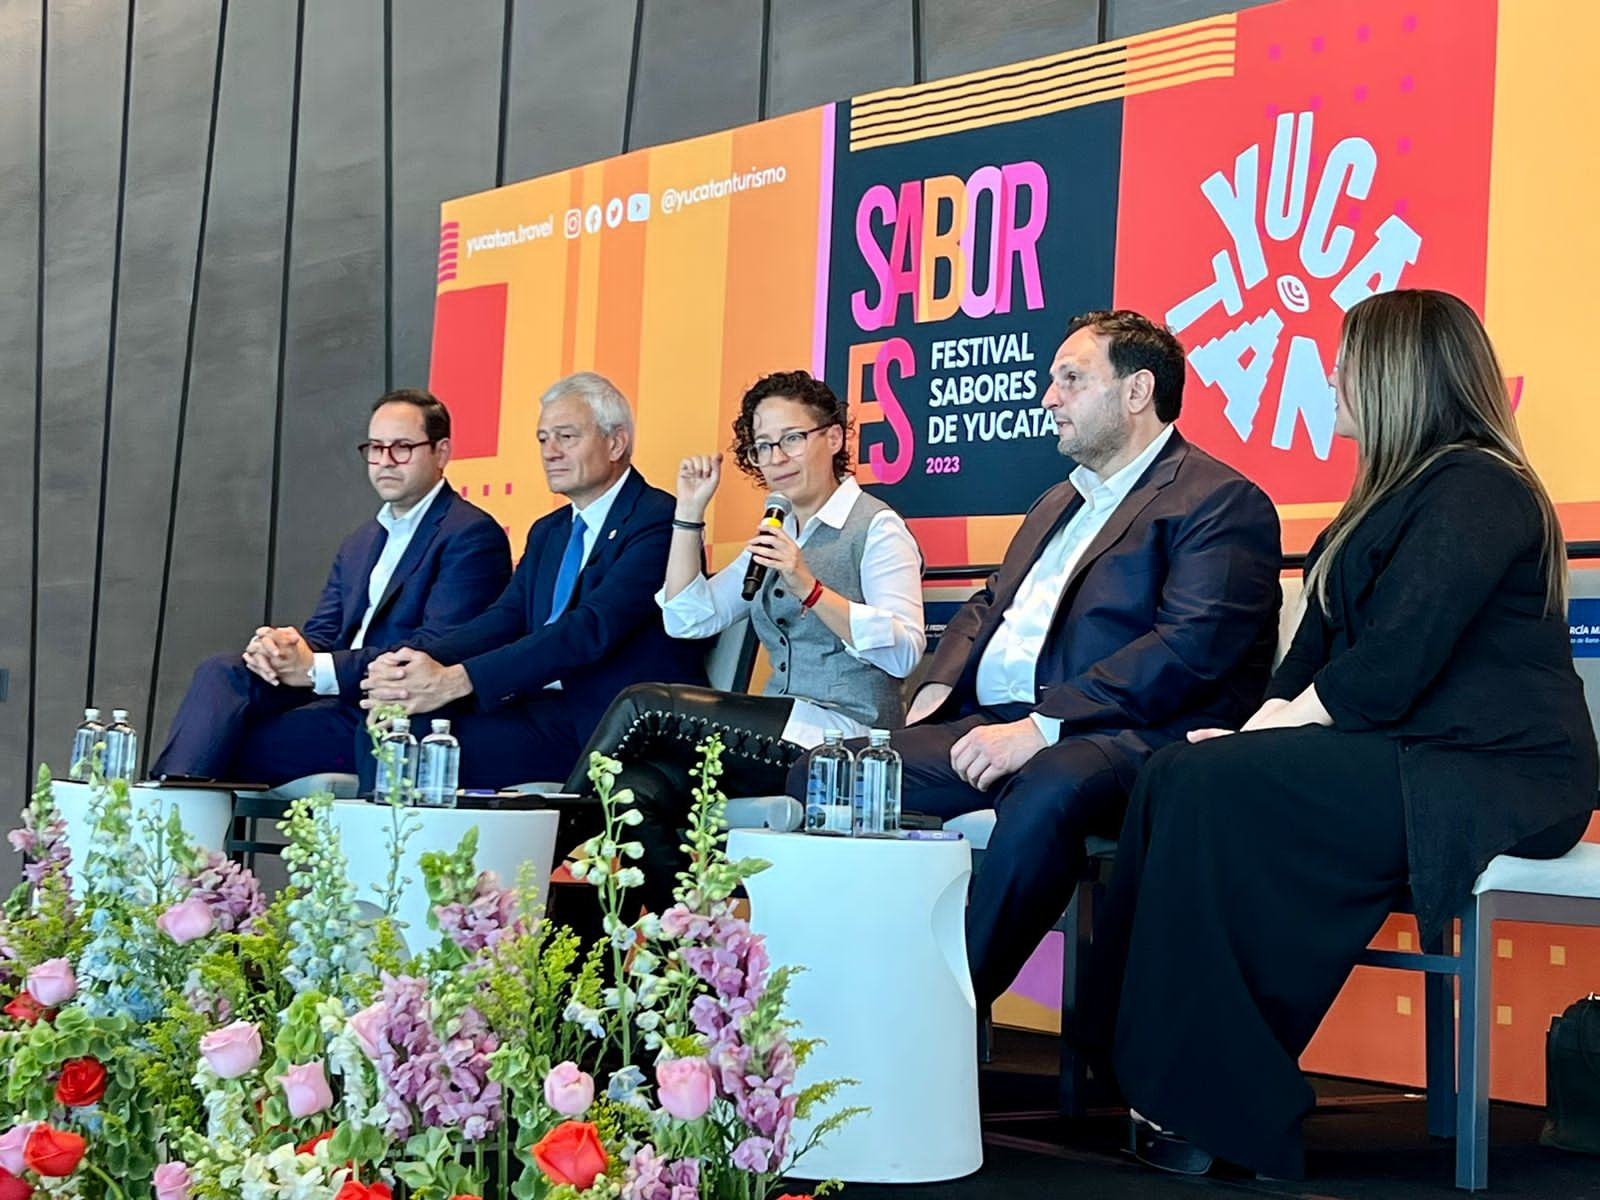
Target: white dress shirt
x=886 y=626
x=594 y=516
x=324 y=682
x=1007 y=672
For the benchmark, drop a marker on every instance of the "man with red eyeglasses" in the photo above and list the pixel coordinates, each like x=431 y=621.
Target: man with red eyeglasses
x=428 y=562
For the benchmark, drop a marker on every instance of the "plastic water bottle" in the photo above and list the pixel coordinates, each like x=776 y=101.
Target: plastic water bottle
x=877 y=786
x=84 y=739
x=122 y=748
x=438 y=767
x=396 y=779
x=830 y=783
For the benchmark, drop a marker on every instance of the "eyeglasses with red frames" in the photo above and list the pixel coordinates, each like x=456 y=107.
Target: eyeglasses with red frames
x=399 y=453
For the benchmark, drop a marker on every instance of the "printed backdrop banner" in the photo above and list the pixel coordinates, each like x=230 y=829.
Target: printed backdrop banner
x=1246 y=178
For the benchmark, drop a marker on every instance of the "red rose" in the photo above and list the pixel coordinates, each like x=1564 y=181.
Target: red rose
x=82 y=1082
x=12 y=1188
x=571 y=1153
x=310 y=1145
x=53 y=1152
x=355 y=1190
x=23 y=1007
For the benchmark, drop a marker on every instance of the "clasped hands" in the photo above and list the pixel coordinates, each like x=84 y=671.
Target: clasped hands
x=413 y=680
x=279 y=656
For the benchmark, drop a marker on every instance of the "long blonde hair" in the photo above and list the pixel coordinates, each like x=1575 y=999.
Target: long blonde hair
x=1421 y=379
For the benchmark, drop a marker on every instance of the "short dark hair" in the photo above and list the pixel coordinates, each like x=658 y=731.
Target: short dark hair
x=435 y=416
x=1139 y=344
x=803 y=388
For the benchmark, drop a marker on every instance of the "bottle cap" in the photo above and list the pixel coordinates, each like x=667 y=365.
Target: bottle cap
x=441 y=725
x=879 y=736
x=119 y=714
x=833 y=736
x=91 y=714
x=401 y=724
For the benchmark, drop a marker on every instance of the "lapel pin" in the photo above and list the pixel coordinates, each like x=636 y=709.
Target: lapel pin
x=611 y=535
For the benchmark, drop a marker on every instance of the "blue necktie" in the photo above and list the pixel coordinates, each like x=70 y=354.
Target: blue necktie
x=567 y=576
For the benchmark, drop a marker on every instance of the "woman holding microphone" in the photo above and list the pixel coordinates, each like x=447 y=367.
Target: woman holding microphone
x=838 y=610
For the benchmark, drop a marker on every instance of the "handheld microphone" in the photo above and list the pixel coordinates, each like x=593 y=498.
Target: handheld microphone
x=778 y=507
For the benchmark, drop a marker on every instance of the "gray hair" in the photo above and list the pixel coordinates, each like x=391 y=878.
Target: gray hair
x=606 y=403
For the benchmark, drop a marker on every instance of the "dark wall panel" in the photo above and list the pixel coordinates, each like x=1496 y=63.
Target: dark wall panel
x=217 y=582
x=445 y=116
x=1128 y=17
x=822 y=50
x=699 y=69
x=334 y=367
x=959 y=36
x=567 y=89
x=86 y=59
x=20 y=53
x=169 y=118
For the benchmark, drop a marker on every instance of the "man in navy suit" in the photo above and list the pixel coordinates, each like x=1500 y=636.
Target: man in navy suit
x=525 y=684
x=1137 y=601
x=289 y=706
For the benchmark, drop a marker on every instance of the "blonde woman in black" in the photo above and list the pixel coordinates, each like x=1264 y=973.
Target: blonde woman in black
x=1426 y=719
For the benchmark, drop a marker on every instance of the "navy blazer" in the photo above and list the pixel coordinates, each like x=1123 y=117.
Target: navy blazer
x=458 y=561
x=610 y=634
x=1168 y=622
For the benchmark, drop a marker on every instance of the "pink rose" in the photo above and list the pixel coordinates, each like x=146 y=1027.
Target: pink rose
x=185 y=922
x=686 y=1087
x=367 y=1028
x=52 y=982
x=233 y=1049
x=306 y=1089
x=11 y=1143
x=568 y=1090
x=172 y=1181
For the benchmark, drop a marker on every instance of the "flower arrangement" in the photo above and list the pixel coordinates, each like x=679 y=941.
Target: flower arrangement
x=167 y=1032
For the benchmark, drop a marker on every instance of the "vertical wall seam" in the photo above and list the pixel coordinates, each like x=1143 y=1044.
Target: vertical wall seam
x=283 y=310
x=633 y=76
x=38 y=401
x=111 y=356
x=505 y=94
x=763 y=104
x=188 y=375
x=388 y=195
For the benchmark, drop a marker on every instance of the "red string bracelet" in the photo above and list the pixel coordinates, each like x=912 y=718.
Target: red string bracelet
x=816 y=594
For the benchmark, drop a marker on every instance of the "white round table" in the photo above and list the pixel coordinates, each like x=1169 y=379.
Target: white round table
x=879 y=927
x=204 y=812
x=507 y=838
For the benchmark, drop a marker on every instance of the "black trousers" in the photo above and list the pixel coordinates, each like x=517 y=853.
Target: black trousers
x=1035 y=857
x=1251 y=873
x=654 y=730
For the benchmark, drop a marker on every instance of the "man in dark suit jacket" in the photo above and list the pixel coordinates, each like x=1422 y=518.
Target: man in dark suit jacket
x=1137 y=601
x=289 y=706
x=525 y=684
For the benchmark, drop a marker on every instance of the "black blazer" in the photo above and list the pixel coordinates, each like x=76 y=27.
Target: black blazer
x=1168 y=622
x=1436 y=633
x=457 y=562
x=610 y=634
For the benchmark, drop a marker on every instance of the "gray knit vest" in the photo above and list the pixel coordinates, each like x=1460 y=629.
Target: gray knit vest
x=808 y=659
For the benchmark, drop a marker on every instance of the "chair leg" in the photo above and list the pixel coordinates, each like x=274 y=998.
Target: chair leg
x=1439 y=1015
x=1072 y=1099
x=1472 y=1105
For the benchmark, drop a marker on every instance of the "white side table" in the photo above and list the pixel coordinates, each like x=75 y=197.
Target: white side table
x=506 y=839
x=879 y=927
x=204 y=812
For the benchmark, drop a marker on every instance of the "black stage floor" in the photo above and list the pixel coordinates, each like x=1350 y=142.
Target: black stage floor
x=1365 y=1142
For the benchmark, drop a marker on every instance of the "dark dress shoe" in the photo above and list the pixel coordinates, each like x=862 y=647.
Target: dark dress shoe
x=1168 y=1151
